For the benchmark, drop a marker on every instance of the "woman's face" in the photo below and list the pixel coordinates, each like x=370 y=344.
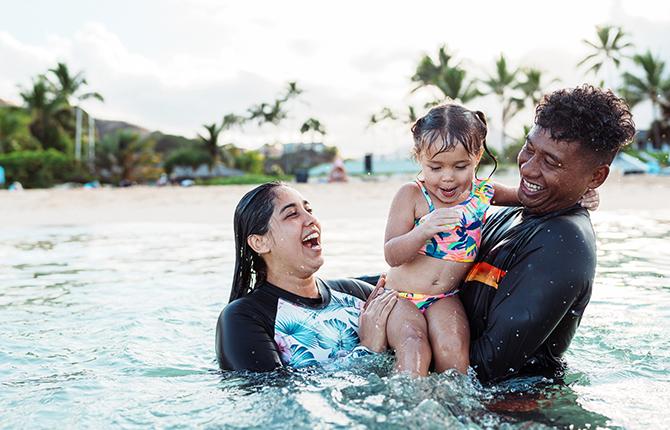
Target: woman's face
x=294 y=237
x=449 y=174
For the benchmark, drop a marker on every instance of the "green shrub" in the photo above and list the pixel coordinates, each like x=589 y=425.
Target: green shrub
x=42 y=169
x=243 y=180
x=192 y=157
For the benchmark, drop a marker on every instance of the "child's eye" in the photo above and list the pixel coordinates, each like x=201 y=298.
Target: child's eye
x=461 y=167
x=434 y=169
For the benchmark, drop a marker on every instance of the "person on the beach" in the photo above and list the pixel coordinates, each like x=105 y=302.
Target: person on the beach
x=280 y=313
x=432 y=237
x=532 y=278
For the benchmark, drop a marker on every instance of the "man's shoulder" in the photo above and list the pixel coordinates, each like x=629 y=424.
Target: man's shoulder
x=571 y=228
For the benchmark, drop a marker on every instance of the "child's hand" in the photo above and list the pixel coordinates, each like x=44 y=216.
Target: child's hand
x=590 y=200
x=440 y=220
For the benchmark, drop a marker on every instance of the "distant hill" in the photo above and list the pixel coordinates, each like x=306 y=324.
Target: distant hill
x=105 y=127
x=6 y=103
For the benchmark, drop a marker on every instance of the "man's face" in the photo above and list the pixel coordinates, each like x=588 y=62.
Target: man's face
x=554 y=175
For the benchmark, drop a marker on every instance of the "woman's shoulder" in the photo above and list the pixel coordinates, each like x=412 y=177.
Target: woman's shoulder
x=352 y=287
x=255 y=303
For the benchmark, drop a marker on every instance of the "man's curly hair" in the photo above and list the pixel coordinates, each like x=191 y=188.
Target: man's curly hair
x=596 y=118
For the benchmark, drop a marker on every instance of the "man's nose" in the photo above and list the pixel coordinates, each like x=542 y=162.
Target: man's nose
x=528 y=166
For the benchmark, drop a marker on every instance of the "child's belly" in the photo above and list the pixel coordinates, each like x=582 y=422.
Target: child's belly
x=427 y=275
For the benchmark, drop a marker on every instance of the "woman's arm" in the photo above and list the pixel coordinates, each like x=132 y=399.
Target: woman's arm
x=242 y=341
x=504 y=195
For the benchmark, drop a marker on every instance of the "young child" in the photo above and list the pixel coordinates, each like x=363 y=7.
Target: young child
x=432 y=237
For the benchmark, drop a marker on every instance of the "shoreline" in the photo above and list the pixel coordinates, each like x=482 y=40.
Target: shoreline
x=215 y=204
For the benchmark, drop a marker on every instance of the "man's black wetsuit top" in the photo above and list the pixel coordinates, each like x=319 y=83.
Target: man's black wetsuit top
x=271 y=327
x=526 y=294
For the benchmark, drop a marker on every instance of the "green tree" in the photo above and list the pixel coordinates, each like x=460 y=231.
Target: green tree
x=274 y=112
x=387 y=114
x=70 y=87
x=504 y=85
x=211 y=142
x=450 y=79
x=14 y=131
x=650 y=85
x=46 y=109
x=314 y=126
x=606 y=51
x=126 y=157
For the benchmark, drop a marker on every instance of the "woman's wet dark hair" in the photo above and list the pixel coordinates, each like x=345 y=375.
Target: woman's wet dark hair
x=447 y=125
x=252 y=216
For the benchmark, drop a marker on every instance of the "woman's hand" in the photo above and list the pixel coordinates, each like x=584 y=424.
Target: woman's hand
x=441 y=220
x=590 y=200
x=375 y=312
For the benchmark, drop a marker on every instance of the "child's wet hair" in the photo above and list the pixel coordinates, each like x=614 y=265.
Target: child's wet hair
x=447 y=125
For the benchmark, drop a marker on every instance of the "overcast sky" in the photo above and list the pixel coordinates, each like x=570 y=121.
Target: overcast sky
x=174 y=65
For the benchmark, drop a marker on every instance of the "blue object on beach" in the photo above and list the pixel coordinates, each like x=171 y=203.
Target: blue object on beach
x=2 y=175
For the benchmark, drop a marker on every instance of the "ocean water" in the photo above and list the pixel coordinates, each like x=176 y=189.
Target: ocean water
x=112 y=326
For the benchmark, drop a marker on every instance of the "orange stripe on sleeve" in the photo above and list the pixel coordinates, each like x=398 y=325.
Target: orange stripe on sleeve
x=486 y=274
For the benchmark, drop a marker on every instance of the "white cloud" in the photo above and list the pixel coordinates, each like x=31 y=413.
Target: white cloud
x=191 y=62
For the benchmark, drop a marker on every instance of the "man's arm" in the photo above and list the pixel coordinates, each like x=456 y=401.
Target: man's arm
x=533 y=299
x=242 y=341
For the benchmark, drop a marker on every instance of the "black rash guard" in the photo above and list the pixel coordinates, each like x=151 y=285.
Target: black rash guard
x=526 y=294
x=271 y=327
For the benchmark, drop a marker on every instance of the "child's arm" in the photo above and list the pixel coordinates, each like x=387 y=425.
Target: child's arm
x=504 y=195
x=402 y=240
x=507 y=196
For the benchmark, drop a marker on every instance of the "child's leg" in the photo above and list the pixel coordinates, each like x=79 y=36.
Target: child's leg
x=449 y=334
x=407 y=334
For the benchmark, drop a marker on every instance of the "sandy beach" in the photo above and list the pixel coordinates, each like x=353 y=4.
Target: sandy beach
x=215 y=204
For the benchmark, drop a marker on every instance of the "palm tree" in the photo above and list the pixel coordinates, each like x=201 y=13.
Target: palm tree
x=387 y=114
x=70 y=87
x=607 y=50
x=651 y=85
x=211 y=142
x=504 y=85
x=45 y=109
x=450 y=80
x=125 y=157
x=313 y=125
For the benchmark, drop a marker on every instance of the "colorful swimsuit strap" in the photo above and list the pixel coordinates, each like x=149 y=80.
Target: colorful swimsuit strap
x=431 y=207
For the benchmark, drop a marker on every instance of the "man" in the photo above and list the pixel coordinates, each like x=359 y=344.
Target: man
x=532 y=280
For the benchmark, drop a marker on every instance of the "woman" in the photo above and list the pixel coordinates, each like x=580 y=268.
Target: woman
x=279 y=313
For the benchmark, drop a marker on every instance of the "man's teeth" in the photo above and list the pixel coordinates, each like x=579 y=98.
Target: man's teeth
x=532 y=186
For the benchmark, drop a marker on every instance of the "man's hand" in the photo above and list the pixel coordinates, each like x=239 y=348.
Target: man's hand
x=375 y=312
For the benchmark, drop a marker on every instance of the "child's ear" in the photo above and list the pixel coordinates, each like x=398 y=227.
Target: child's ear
x=260 y=244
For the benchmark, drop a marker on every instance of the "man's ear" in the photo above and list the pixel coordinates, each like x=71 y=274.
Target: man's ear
x=599 y=175
x=258 y=243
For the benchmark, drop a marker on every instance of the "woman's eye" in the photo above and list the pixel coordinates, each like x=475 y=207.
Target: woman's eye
x=309 y=210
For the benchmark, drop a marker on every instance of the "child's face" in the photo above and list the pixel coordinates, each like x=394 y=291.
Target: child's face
x=448 y=175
